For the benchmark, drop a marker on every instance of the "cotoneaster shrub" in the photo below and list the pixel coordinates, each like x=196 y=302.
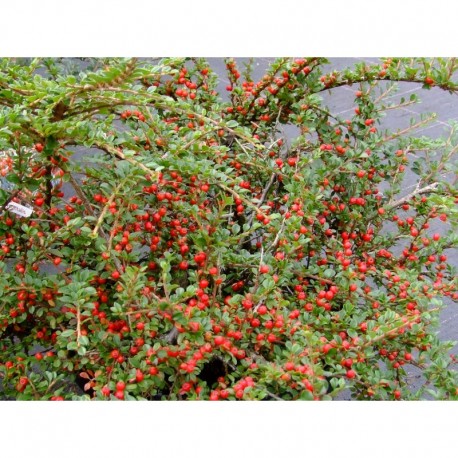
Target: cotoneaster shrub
x=181 y=247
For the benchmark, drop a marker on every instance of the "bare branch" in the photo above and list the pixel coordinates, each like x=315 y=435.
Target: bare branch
x=426 y=190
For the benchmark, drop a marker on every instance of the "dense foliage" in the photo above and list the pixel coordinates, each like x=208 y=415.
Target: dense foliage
x=182 y=247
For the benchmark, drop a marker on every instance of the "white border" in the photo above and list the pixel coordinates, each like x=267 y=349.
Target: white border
x=330 y=28
x=223 y=429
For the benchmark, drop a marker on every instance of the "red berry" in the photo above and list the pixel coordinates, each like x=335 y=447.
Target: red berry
x=264 y=269
x=139 y=376
x=114 y=354
x=289 y=366
x=105 y=391
x=219 y=340
x=255 y=323
x=351 y=374
x=271 y=338
x=120 y=395
x=153 y=370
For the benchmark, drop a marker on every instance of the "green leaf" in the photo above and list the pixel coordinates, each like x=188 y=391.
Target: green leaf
x=83 y=340
x=232 y=123
x=306 y=396
x=329 y=273
x=68 y=333
x=72 y=346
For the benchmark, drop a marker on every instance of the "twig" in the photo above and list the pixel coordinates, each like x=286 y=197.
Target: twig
x=393 y=330
x=403 y=200
x=78 y=325
x=449 y=86
x=243 y=199
x=171 y=337
x=90 y=211
x=105 y=209
x=263 y=196
x=81 y=195
x=118 y=153
x=256 y=285
x=406 y=130
x=273 y=396
x=396 y=106
x=255 y=309
x=314 y=277
x=274 y=243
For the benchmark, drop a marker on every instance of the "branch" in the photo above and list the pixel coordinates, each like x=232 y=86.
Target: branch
x=321 y=280
x=118 y=153
x=171 y=337
x=90 y=211
x=263 y=196
x=406 y=130
x=243 y=199
x=106 y=207
x=395 y=329
x=274 y=243
x=403 y=200
x=78 y=325
x=449 y=86
x=273 y=396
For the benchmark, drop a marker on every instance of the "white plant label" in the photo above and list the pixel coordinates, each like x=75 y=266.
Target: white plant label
x=19 y=209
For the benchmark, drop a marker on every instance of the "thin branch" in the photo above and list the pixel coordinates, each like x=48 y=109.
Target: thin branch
x=90 y=211
x=450 y=86
x=243 y=199
x=395 y=329
x=78 y=325
x=106 y=207
x=273 y=396
x=171 y=337
x=256 y=282
x=118 y=153
x=263 y=195
x=426 y=190
x=400 y=133
x=277 y=237
x=396 y=106
x=314 y=277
